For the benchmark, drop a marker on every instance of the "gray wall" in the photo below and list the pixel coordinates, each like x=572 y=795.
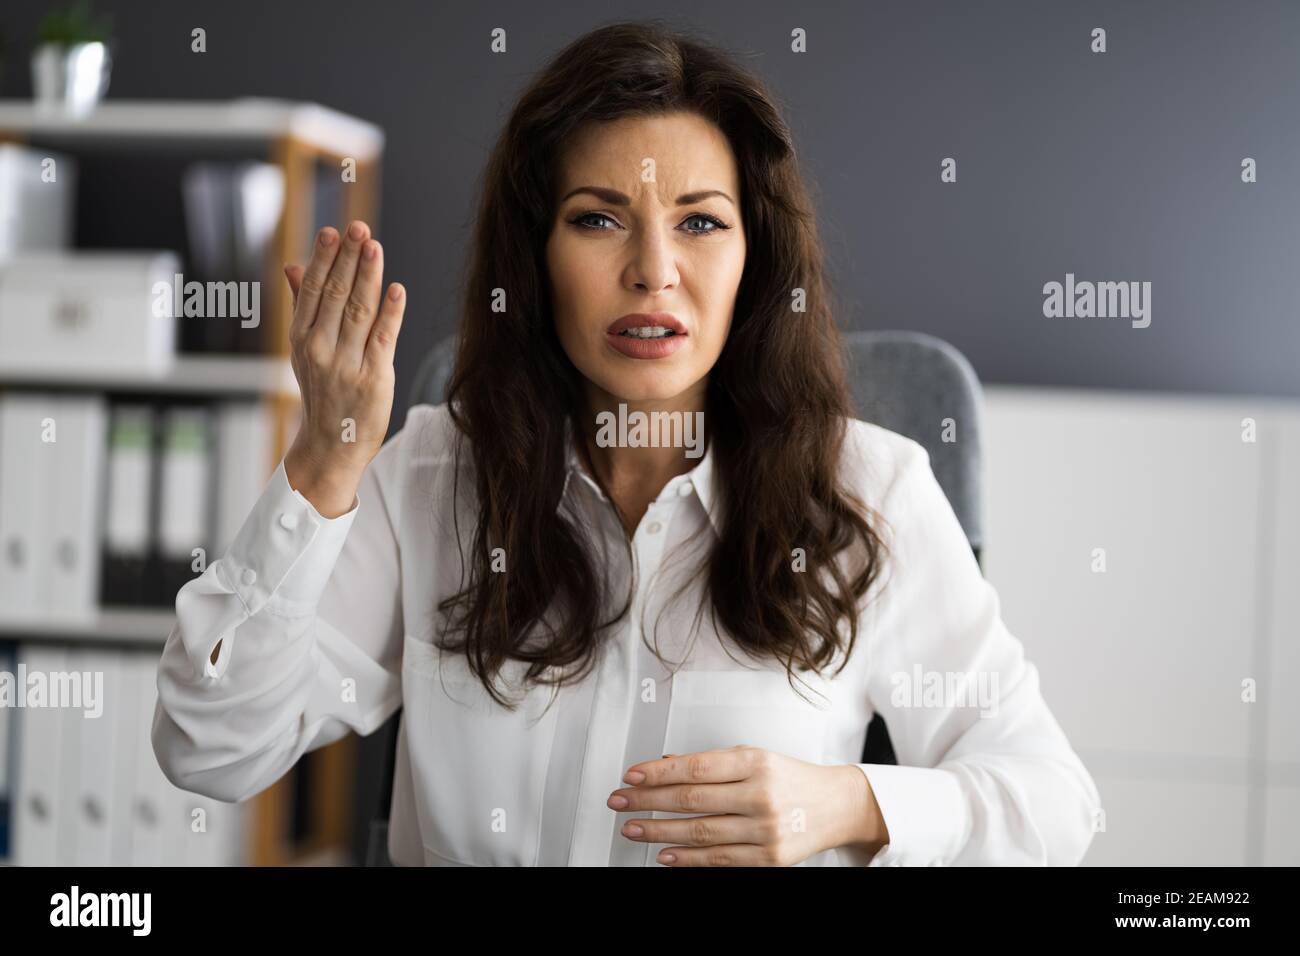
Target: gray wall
x=1122 y=166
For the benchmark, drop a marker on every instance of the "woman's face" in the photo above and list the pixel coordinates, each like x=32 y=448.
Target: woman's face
x=648 y=222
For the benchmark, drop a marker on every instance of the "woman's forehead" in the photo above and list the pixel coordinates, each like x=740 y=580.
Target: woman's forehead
x=664 y=155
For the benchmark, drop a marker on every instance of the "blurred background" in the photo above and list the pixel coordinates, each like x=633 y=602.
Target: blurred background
x=1142 y=521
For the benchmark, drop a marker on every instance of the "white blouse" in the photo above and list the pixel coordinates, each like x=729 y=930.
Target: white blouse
x=326 y=626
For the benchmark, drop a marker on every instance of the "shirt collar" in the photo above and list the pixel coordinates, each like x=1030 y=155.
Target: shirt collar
x=701 y=479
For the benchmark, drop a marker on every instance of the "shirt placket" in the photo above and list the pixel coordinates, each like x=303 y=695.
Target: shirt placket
x=649 y=704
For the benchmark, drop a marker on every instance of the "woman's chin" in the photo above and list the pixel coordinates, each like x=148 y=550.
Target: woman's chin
x=644 y=387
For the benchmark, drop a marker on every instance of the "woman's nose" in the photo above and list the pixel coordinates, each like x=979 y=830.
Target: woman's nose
x=653 y=267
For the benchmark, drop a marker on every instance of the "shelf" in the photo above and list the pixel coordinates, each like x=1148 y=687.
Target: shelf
x=148 y=627
x=224 y=375
x=250 y=119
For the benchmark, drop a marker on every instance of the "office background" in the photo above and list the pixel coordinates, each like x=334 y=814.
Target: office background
x=1119 y=166
x=1115 y=166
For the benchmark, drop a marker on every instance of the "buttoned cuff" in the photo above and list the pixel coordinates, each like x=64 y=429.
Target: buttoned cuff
x=924 y=810
x=264 y=559
x=283 y=557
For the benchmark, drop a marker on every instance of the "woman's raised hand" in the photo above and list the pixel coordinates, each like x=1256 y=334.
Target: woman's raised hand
x=342 y=340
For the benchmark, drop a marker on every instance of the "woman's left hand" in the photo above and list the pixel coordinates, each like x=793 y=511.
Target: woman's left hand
x=760 y=808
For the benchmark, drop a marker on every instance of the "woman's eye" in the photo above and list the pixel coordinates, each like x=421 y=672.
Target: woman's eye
x=711 y=223
x=580 y=221
x=715 y=223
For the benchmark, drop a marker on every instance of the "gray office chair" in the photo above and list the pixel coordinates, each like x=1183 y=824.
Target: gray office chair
x=908 y=382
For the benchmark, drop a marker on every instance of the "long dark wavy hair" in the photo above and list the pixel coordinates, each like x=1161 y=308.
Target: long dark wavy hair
x=777 y=401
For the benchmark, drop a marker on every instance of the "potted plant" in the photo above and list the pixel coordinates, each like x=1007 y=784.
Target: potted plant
x=71 y=62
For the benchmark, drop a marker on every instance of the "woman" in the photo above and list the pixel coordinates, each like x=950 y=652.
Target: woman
x=613 y=649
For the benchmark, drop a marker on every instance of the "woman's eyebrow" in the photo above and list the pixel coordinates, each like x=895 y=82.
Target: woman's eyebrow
x=614 y=197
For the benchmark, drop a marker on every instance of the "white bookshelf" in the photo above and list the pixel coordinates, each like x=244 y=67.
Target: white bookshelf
x=220 y=375
x=307 y=142
x=249 y=119
x=148 y=627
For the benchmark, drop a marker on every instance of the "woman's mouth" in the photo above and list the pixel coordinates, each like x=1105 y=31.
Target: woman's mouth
x=646 y=336
x=648 y=332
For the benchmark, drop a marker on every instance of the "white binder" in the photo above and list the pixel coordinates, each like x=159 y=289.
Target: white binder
x=8 y=725
x=243 y=466
x=186 y=471
x=101 y=827
x=130 y=487
x=38 y=796
x=150 y=790
x=24 y=502
x=71 y=543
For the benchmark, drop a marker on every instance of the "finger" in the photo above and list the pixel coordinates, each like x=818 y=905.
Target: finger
x=313 y=282
x=383 y=335
x=706 y=766
x=691 y=798
x=728 y=854
x=338 y=285
x=363 y=304
x=696 y=831
x=294 y=274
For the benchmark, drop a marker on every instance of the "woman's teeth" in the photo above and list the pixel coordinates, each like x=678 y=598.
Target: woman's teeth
x=648 y=332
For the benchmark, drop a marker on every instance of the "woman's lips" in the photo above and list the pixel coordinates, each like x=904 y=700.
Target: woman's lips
x=646 y=348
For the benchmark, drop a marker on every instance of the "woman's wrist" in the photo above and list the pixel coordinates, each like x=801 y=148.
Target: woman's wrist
x=331 y=493
x=864 y=825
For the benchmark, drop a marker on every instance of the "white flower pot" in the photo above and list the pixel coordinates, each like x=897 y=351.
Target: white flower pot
x=70 y=78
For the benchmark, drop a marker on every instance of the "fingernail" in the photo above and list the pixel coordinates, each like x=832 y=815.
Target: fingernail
x=395 y=293
x=327 y=237
x=371 y=250
x=633 y=830
x=666 y=857
x=633 y=776
x=618 y=801
x=355 y=231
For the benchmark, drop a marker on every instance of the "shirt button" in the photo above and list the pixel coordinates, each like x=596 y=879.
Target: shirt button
x=248 y=577
x=685 y=489
x=654 y=527
x=288 y=521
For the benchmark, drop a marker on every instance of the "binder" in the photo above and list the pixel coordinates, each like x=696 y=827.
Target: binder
x=39 y=787
x=244 y=432
x=8 y=727
x=24 y=502
x=70 y=559
x=70 y=724
x=149 y=788
x=35 y=213
x=184 y=519
x=130 y=468
x=101 y=825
